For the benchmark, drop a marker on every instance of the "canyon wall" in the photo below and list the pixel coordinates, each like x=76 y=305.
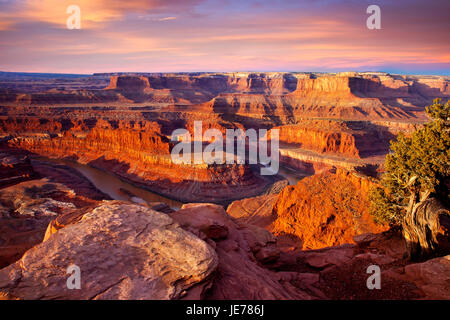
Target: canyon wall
x=268 y=83
x=280 y=97
x=342 y=86
x=347 y=139
x=318 y=138
x=138 y=152
x=351 y=97
x=386 y=86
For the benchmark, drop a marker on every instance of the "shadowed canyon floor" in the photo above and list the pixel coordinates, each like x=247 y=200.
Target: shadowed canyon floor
x=205 y=231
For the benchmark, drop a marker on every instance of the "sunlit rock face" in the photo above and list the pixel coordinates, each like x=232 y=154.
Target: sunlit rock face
x=325 y=210
x=345 y=139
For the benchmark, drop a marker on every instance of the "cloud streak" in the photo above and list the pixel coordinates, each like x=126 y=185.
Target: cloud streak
x=194 y=35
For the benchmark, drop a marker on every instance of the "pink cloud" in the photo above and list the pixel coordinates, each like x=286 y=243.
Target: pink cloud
x=135 y=35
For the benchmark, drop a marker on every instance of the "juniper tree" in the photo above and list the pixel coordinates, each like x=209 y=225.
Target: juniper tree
x=416 y=170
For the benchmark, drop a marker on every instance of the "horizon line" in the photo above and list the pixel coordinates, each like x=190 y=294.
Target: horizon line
x=236 y=71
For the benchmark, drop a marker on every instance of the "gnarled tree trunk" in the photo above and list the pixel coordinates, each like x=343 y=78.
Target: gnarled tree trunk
x=425 y=227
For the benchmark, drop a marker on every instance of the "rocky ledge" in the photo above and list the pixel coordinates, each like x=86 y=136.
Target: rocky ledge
x=128 y=251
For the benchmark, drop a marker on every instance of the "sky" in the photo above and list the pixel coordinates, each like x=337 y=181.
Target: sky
x=224 y=36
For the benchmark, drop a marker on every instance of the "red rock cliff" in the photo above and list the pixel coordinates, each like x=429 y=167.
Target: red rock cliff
x=322 y=137
x=137 y=151
x=346 y=139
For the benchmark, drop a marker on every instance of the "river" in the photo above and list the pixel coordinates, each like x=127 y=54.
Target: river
x=113 y=186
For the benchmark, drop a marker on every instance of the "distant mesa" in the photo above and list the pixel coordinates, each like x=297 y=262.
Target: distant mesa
x=349 y=95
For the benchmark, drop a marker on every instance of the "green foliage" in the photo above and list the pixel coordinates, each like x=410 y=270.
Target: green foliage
x=416 y=165
x=438 y=111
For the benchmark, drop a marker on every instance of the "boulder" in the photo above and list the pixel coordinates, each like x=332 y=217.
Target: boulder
x=255 y=211
x=124 y=251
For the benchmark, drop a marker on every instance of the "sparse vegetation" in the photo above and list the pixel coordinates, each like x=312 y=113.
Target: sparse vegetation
x=417 y=168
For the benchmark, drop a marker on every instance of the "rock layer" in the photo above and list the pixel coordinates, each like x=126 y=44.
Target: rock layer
x=281 y=96
x=140 y=153
x=346 y=139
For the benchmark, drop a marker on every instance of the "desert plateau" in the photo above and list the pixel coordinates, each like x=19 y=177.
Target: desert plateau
x=238 y=159
x=87 y=178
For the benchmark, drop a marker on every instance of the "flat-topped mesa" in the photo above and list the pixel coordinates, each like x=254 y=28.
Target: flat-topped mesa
x=302 y=91
x=345 y=84
x=311 y=85
x=267 y=83
x=348 y=85
x=366 y=96
x=136 y=83
x=277 y=96
x=263 y=83
x=387 y=86
x=344 y=96
x=319 y=138
x=439 y=87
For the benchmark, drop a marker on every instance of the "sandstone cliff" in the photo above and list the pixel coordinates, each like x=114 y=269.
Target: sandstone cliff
x=336 y=96
x=281 y=97
x=140 y=153
x=348 y=139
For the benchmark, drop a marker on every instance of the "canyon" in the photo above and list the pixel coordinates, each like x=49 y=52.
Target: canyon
x=179 y=231
x=138 y=152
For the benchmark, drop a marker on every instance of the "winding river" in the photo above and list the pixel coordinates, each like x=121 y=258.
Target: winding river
x=114 y=187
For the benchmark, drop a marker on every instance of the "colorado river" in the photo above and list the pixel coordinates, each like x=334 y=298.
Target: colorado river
x=114 y=186
x=291 y=175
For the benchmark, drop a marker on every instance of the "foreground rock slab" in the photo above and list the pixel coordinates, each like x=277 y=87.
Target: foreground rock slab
x=124 y=251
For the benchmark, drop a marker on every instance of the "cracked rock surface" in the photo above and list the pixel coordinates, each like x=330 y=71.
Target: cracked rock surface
x=124 y=251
